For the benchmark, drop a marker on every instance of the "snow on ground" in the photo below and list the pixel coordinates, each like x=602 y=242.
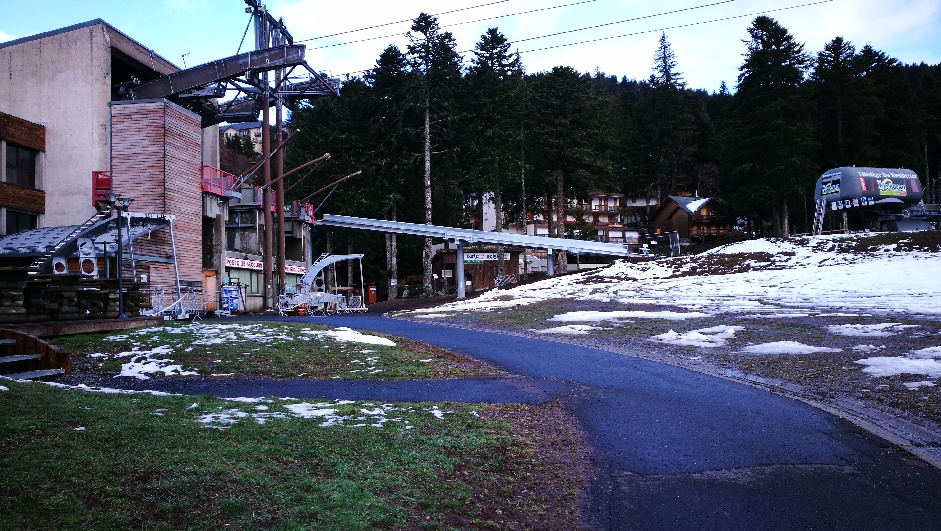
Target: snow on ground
x=768 y=278
x=331 y=413
x=786 y=347
x=146 y=362
x=790 y=276
x=571 y=330
x=596 y=317
x=159 y=360
x=348 y=335
x=869 y=330
x=712 y=337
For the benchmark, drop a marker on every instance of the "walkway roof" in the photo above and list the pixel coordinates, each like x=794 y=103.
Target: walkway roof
x=476 y=236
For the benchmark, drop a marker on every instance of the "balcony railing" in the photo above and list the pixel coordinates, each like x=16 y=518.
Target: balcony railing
x=218 y=182
x=100 y=186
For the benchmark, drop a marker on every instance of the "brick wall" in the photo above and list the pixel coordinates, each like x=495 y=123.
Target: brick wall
x=156 y=152
x=22 y=133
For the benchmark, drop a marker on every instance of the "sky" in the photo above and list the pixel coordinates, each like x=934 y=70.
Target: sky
x=621 y=36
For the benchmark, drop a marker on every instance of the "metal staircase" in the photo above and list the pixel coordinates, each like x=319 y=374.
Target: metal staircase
x=819 y=213
x=39 y=265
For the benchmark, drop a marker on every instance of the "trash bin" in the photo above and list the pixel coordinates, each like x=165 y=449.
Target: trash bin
x=370 y=294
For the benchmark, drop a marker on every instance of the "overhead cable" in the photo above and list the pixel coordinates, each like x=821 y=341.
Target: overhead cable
x=678 y=26
x=402 y=21
x=462 y=23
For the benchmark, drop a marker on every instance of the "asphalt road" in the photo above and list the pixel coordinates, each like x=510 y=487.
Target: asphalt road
x=676 y=449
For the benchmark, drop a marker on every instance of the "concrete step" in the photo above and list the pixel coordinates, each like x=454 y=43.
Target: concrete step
x=35 y=375
x=20 y=357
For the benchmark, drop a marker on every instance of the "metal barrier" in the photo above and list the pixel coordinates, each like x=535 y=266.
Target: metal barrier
x=191 y=303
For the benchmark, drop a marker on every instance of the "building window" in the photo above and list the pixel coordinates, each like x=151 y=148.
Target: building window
x=20 y=221
x=21 y=166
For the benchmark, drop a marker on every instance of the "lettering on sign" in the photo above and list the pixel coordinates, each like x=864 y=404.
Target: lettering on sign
x=240 y=263
x=480 y=257
x=888 y=187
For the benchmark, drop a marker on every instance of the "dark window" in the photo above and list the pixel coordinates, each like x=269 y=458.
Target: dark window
x=21 y=166
x=19 y=221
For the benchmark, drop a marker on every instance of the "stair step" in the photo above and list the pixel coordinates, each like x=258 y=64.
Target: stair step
x=7 y=342
x=20 y=357
x=33 y=375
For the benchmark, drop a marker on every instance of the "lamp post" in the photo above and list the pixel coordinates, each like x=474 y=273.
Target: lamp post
x=121 y=204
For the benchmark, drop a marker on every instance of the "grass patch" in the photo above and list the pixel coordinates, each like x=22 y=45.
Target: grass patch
x=80 y=460
x=278 y=350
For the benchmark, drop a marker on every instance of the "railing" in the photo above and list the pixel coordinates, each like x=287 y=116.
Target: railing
x=100 y=186
x=192 y=303
x=218 y=182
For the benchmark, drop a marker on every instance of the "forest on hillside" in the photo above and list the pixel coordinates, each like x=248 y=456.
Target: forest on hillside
x=429 y=129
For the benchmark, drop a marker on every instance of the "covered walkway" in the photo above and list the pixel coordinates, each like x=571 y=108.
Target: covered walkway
x=461 y=236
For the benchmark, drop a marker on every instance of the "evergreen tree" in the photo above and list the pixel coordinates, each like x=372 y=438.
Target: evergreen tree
x=772 y=165
x=434 y=57
x=393 y=141
x=668 y=123
x=493 y=127
x=564 y=131
x=835 y=83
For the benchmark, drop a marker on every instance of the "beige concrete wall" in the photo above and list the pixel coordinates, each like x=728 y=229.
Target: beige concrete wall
x=63 y=81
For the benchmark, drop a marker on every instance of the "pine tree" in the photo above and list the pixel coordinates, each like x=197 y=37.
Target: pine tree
x=492 y=131
x=772 y=164
x=434 y=58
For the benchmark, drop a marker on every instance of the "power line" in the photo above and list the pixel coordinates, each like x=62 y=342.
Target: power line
x=679 y=26
x=673 y=27
x=402 y=21
x=454 y=24
x=665 y=13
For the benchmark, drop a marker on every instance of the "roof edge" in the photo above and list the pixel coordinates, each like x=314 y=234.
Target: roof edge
x=51 y=33
x=81 y=25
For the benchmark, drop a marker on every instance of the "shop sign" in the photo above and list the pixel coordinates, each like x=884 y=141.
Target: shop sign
x=240 y=263
x=479 y=258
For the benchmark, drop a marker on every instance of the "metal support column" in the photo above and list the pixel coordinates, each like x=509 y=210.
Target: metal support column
x=550 y=263
x=459 y=270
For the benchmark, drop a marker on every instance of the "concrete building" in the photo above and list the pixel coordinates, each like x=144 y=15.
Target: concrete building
x=69 y=135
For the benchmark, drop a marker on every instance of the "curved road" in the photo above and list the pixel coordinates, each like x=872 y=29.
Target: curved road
x=677 y=449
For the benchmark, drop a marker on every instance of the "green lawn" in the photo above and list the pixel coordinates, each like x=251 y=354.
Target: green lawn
x=279 y=350
x=74 y=459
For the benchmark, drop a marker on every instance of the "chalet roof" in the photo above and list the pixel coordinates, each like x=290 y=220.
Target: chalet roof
x=690 y=204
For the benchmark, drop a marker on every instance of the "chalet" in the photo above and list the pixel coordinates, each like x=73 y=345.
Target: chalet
x=692 y=218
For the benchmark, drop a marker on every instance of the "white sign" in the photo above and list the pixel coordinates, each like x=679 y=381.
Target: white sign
x=258 y=266
x=480 y=257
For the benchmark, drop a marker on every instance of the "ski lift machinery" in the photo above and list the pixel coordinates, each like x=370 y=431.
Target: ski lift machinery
x=312 y=294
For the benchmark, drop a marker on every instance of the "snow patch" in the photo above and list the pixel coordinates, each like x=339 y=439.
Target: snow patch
x=786 y=347
x=712 y=337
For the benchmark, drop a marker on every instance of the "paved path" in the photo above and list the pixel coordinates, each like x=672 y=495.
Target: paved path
x=677 y=449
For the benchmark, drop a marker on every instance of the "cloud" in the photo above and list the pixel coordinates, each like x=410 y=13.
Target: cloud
x=4 y=36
